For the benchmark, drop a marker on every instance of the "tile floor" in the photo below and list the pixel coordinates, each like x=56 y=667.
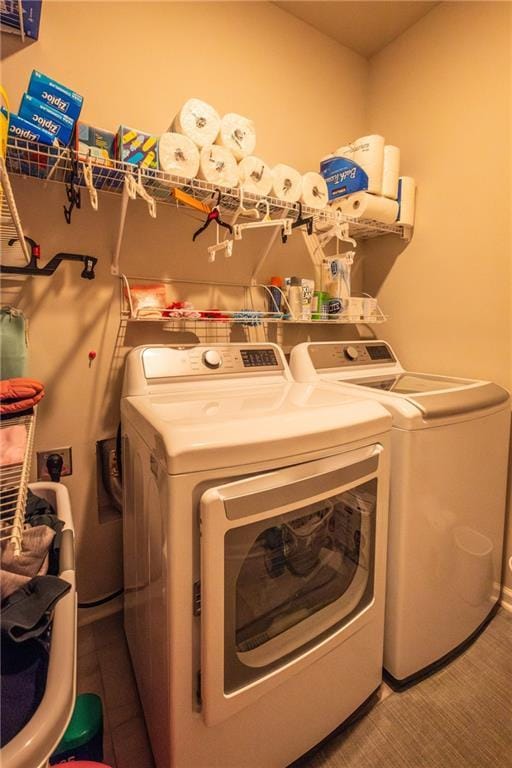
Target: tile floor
x=410 y=730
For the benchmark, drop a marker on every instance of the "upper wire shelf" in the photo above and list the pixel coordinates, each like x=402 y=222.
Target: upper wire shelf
x=56 y=164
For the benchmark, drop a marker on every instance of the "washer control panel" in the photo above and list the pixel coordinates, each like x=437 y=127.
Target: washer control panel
x=203 y=360
x=350 y=353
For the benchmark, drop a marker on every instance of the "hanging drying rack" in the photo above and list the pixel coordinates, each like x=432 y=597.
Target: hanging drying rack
x=13 y=484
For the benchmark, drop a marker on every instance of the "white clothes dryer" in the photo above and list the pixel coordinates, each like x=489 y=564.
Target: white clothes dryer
x=255 y=522
x=449 y=462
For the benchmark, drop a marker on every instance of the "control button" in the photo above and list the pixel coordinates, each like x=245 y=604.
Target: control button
x=212 y=359
x=351 y=353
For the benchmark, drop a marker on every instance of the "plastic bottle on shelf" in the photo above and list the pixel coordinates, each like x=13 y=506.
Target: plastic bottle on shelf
x=295 y=296
x=275 y=296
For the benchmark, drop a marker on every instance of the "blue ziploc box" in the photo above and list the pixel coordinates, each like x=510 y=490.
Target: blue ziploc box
x=342 y=176
x=133 y=146
x=25 y=131
x=30 y=14
x=59 y=125
x=55 y=95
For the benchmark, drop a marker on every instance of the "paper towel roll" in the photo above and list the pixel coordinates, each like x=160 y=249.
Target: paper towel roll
x=390 y=171
x=178 y=154
x=218 y=166
x=406 y=200
x=362 y=205
x=368 y=152
x=286 y=183
x=255 y=175
x=238 y=134
x=345 y=151
x=314 y=190
x=197 y=120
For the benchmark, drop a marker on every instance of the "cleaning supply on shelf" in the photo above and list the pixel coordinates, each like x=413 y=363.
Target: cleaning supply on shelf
x=55 y=95
x=177 y=154
x=96 y=143
x=342 y=176
x=368 y=152
x=286 y=183
x=34 y=111
x=308 y=289
x=274 y=293
x=10 y=16
x=238 y=134
x=218 y=166
x=295 y=296
x=362 y=205
x=314 y=190
x=134 y=146
x=390 y=172
x=146 y=298
x=320 y=305
x=406 y=200
x=255 y=175
x=22 y=129
x=197 y=120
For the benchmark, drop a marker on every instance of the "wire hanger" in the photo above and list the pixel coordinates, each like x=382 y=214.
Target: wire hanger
x=221 y=245
x=88 y=178
x=300 y=221
x=213 y=215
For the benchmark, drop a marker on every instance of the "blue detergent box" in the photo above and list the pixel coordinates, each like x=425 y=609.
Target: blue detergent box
x=343 y=177
x=59 y=125
x=21 y=129
x=55 y=95
x=30 y=13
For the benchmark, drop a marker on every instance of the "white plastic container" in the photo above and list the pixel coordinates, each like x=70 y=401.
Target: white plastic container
x=35 y=743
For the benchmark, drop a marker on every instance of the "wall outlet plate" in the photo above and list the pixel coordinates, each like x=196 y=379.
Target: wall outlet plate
x=67 y=467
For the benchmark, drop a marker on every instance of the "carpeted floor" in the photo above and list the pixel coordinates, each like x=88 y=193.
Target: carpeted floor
x=460 y=717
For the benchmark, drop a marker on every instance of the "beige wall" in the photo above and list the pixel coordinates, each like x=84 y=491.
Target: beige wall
x=441 y=91
x=136 y=63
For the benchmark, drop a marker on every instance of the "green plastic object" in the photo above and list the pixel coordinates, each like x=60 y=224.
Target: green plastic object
x=86 y=722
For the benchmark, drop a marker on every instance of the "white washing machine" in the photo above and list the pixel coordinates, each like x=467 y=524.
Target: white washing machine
x=448 y=494
x=255 y=521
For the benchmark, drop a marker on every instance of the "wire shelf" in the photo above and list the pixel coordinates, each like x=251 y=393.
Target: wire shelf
x=13 y=482
x=10 y=224
x=55 y=164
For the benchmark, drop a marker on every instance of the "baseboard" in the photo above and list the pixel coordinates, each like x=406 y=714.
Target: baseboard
x=506 y=599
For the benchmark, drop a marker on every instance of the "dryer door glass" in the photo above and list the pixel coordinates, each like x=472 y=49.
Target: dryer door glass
x=292 y=579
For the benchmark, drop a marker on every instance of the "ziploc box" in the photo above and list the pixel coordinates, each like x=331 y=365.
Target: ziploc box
x=55 y=95
x=59 y=125
x=342 y=176
x=21 y=129
x=133 y=146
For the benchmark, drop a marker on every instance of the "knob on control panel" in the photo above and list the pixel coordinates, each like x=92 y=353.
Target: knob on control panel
x=351 y=353
x=212 y=359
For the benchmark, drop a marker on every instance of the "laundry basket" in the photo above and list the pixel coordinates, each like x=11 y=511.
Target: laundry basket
x=34 y=744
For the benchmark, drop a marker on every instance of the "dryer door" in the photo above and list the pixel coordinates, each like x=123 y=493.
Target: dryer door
x=287 y=563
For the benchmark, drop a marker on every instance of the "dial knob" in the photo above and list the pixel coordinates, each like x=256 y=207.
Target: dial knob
x=212 y=359
x=351 y=353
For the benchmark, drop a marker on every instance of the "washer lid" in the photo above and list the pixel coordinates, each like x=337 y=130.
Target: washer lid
x=219 y=428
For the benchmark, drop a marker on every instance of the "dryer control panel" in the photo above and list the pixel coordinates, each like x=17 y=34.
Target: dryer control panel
x=350 y=354
x=210 y=360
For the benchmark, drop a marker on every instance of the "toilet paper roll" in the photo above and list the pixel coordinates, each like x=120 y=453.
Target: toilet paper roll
x=368 y=152
x=286 y=183
x=254 y=175
x=197 y=120
x=390 y=171
x=178 y=154
x=238 y=134
x=218 y=166
x=345 y=151
x=406 y=200
x=362 y=205
x=314 y=190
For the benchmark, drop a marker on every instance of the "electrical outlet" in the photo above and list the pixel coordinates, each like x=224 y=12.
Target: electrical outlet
x=67 y=466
